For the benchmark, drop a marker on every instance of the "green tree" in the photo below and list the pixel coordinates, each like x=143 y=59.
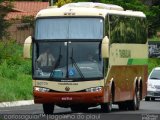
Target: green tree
x=62 y=2
x=4 y=9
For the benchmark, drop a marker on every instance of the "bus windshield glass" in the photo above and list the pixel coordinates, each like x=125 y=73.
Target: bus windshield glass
x=67 y=60
x=69 y=28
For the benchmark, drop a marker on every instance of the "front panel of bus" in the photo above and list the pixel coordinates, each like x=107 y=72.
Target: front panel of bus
x=76 y=72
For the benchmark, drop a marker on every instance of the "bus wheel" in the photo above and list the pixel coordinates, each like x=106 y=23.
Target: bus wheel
x=147 y=98
x=135 y=103
x=48 y=108
x=107 y=107
x=77 y=108
x=122 y=106
x=152 y=98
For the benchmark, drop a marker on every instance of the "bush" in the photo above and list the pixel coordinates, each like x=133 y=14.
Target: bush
x=7 y=72
x=15 y=73
x=62 y=2
x=12 y=55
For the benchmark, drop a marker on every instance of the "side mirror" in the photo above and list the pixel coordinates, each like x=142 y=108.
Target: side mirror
x=27 y=47
x=105 y=47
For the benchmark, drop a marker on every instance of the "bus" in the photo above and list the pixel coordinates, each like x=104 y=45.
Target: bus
x=99 y=57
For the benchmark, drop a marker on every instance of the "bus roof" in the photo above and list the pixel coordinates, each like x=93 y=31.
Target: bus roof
x=88 y=9
x=94 y=5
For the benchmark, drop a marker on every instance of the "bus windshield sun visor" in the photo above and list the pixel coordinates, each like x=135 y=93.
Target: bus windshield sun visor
x=69 y=28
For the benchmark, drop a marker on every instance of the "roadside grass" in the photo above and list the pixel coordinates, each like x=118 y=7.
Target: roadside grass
x=12 y=90
x=15 y=73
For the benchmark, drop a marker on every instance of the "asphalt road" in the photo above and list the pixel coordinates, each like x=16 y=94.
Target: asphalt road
x=148 y=111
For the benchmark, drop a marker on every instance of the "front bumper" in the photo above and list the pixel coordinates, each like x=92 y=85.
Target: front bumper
x=69 y=98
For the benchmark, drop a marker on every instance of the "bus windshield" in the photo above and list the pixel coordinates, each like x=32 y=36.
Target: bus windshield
x=69 y=28
x=67 y=60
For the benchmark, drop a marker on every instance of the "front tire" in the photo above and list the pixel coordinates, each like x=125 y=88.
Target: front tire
x=48 y=108
x=147 y=98
x=152 y=98
x=107 y=107
x=123 y=106
x=77 y=108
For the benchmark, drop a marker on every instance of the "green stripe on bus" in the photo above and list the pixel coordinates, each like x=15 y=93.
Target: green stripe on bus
x=137 y=61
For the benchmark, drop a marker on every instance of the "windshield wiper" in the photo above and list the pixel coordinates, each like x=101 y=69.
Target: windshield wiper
x=76 y=66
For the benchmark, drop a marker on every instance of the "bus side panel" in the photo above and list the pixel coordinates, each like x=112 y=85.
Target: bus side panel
x=136 y=74
x=116 y=74
x=144 y=83
x=127 y=66
x=124 y=79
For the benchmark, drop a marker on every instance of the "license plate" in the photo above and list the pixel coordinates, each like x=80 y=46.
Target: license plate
x=66 y=98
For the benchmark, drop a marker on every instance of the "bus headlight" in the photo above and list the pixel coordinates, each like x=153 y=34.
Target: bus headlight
x=94 y=89
x=40 y=89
